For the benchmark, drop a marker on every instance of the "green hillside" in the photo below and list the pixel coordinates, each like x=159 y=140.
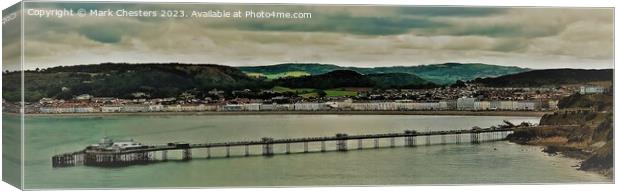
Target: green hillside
x=446 y=73
x=348 y=78
x=121 y=80
x=289 y=74
x=549 y=77
x=333 y=79
x=311 y=68
x=399 y=80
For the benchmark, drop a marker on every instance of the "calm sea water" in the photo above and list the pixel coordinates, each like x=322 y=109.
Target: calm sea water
x=495 y=162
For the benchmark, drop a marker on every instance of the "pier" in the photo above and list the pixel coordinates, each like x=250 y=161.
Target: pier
x=114 y=154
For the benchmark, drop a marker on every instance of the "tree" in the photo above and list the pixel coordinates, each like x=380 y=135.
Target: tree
x=458 y=84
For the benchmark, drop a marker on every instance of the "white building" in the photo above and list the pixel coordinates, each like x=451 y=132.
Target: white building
x=495 y=105
x=211 y=107
x=591 y=90
x=134 y=108
x=465 y=103
x=267 y=107
x=200 y=107
x=507 y=105
x=404 y=106
x=156 y=107
x=525 y=105
x=443 y=105
x=56 y=110
x=482 y=105
x=252 y=106
x=284 y=107
x=308 y=106
x=232 y=107
x=111 y=108
x=172 y=108
x=83 y=109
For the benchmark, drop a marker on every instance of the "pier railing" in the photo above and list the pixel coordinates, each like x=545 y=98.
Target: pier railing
x=158 y=153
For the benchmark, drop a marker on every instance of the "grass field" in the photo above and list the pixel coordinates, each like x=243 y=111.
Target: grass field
x=339 y=93
x=308 y=95
x=255 y=75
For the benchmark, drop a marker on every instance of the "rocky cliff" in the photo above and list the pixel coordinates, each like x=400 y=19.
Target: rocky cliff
x=582 y=128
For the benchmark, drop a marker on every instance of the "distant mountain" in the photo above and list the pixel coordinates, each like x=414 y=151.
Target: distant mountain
x=349 y=78
x=446 y=73
x=121 y=80
x=549 y=77
x=311 y=68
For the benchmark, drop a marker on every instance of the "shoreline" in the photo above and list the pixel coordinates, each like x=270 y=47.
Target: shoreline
x=555 y=146
x=455 y=113
x=572 y=153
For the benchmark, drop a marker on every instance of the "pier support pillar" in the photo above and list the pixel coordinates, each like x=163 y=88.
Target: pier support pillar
x=305 y=147
x=428 y=140
x=376 y=143
x=187 y=154
x=247 y=150
x=360 y=144
x=475 y=138
x=392 y=142
x=288 y=148
x=267 y=149
x=267 y=146
x=208 y=152
x=164 y=155
x=227 y=151
x=341 y=145
x=410 y=141
x=457 y=138
x=323 y=146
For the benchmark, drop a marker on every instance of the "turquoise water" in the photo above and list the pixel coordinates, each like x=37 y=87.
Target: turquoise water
x=11 y=149
x=495 y=162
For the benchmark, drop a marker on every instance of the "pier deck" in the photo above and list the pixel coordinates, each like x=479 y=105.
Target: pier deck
x=147 y=153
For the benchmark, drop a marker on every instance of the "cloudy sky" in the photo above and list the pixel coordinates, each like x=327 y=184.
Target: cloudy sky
x=365 y=36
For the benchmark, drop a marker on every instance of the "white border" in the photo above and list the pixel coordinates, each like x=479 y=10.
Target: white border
x=520 y=3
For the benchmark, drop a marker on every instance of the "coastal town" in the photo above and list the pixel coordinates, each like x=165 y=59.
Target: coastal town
x=470 y=97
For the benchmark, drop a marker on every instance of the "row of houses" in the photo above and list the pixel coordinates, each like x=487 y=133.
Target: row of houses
x=473 y=104
x=464 y=104
x=130 y=108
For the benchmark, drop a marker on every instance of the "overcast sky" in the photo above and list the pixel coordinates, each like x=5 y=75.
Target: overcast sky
x=365 y=36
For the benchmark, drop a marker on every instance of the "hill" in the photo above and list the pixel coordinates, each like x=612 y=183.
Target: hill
x=549 y=77
x=121 y=80
x=278 y=75
x=333 y=79
x=399 y=80
x=446 y=73
x=311 y=68
x=348 y=78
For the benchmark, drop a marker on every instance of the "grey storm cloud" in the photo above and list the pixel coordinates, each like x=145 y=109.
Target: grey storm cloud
x=344 y=35
x=344 y=23
x=452 y=11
